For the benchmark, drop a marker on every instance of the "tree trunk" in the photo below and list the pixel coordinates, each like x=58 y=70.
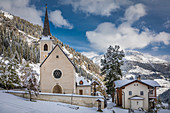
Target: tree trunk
x=6 y=86
x=113 y=97
x=30 y=95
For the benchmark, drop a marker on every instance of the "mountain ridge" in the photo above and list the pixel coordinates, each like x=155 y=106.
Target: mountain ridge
x=148 y=66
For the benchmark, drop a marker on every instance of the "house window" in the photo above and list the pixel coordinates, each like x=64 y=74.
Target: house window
x=151 y=92
x=135 y=84
x=141 y=93
x=45 y=47
x=130 y=92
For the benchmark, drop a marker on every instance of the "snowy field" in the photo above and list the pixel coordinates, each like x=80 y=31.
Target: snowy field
x=13 y=104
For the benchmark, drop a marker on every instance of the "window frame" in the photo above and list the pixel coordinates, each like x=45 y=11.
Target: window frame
x=141 y=92
x=130 y=92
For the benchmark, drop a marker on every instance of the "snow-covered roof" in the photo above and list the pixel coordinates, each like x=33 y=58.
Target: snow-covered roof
x=136 y=98
x=85 y=81
x=151 y=83
x=45 y=37
x=121 y=83
x=93 y=81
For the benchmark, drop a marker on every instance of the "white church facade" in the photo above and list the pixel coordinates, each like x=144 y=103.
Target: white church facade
x=57 y=72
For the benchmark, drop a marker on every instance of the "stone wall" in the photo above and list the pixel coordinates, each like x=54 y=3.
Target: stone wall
x=81 y=100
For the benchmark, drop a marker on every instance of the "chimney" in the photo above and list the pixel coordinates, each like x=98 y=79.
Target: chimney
x=138 y=78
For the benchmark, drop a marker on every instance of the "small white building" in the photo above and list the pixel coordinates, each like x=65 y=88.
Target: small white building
x=136 y=94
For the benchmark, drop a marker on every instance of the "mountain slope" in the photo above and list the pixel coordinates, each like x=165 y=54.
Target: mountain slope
x=149 y=67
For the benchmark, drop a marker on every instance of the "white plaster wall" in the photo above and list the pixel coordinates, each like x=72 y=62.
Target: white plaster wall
x=135 y=91
x=134 y=104
x=42 y=52
x=86 y=90
x=67 y=80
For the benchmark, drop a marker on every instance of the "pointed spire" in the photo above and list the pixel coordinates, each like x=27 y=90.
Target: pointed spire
x=46 y=29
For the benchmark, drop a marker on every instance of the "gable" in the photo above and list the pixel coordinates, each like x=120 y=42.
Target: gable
x=53 y=51
x=136 y=84
x=136 y=81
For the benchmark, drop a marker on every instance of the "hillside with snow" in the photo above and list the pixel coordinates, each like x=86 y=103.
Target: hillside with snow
x=6 y=14
x=149 y=67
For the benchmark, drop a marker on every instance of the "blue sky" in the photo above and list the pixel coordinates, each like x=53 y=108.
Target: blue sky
x=90 y=26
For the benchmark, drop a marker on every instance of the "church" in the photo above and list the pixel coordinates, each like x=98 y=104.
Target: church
x=57 y=72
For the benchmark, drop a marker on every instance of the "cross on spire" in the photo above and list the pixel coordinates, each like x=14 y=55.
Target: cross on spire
x=46 y=29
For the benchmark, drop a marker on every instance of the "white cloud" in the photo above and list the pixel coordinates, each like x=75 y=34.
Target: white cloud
x=125 y=35
x=155 y=48
x=89 y=54
x=97 y=7
x=22 y=9
x=133 y=13
x=167 y=24
x=57 y=19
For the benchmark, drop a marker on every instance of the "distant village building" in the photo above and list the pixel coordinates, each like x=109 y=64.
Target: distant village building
x=57 y=72
x=136 y=94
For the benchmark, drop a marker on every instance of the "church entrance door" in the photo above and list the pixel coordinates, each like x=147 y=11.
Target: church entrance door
x=57 y=89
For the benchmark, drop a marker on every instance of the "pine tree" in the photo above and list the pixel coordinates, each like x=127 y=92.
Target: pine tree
x=21 y=54
x=111 y=67
x=9 y=77
x=13 y=47
x=9 y=52
x=4 y=52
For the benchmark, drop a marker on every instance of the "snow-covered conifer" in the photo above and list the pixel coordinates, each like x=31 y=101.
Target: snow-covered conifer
x=111 y=67
x=9 y=77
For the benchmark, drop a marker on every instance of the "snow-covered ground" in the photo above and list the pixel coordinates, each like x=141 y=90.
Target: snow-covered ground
x=13 y=104
x=29 y=38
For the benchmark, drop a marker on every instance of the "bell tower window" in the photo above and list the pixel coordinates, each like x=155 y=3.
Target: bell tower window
x=45 y=47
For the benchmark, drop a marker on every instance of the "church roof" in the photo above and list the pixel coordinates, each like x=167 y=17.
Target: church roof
x=52 y=51
x=46 y=29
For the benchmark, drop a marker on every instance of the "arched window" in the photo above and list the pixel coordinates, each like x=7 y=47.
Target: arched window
x=45 y=47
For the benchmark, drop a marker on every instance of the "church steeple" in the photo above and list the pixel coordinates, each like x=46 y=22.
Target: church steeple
x=46 y=44
x=46 y=29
